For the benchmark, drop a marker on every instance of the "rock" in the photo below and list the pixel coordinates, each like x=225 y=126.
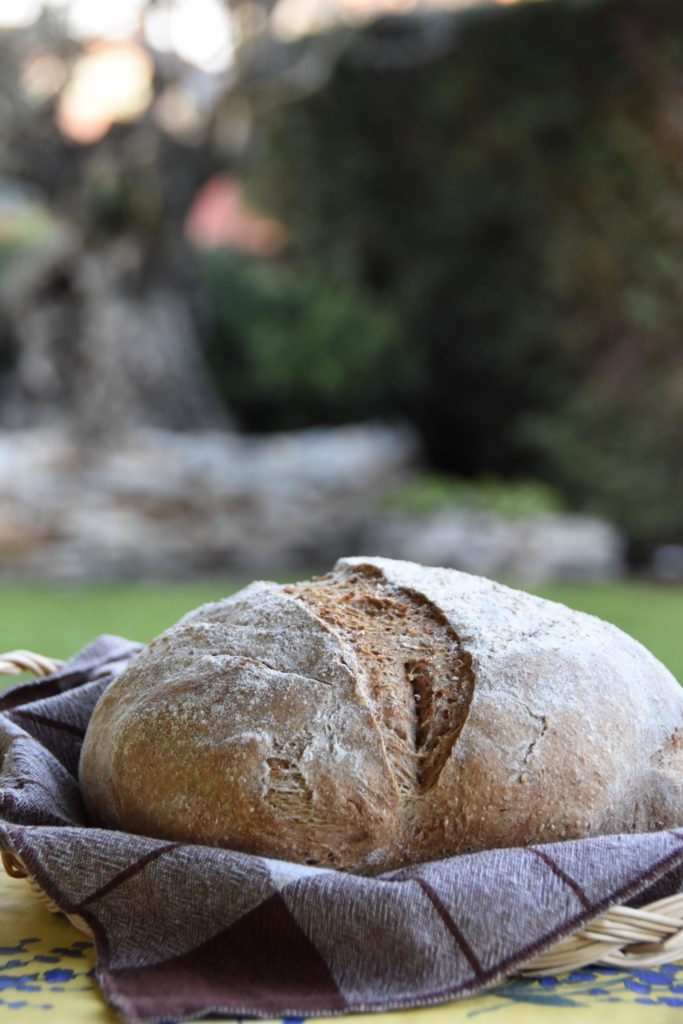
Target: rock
x=465 y=540
x=166 y=504
x=667 y=563
x=568 y=547
x=537 y=549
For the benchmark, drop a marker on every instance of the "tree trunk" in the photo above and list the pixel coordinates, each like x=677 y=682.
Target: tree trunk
x=105 y=342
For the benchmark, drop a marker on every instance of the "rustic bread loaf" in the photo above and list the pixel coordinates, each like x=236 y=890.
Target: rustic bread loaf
x=385 y=714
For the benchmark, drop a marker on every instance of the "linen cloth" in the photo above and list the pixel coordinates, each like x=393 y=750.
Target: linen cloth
x=182 y=931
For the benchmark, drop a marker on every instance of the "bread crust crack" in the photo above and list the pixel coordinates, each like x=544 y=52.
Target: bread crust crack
x=413 y=671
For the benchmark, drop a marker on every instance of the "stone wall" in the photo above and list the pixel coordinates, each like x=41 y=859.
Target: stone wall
x=164 y=504
x=159 y=504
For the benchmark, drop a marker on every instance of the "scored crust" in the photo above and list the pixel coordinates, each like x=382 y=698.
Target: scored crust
x=413 y=672
x=386 y=714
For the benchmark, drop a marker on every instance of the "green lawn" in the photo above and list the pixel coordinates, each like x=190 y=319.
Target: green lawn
x=58 y=621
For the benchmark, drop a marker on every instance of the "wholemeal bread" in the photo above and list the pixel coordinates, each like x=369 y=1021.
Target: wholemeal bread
x=382 y=715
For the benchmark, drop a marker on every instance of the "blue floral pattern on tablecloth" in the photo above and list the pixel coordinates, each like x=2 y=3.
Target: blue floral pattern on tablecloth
x=656 y=986
x=28 y=977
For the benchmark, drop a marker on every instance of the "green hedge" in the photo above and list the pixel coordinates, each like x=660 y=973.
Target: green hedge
x=289 y=349
x=431 y=492
x=518 y=206
x=8 y=254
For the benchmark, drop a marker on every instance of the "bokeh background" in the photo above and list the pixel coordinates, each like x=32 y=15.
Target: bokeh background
x=286 y=280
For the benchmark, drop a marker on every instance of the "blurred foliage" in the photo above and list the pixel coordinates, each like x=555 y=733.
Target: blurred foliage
x=518 y=204
x=513 y=499
x=9 y=251
x=288 y=349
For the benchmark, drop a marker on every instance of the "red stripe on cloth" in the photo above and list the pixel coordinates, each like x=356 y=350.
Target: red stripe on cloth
x=129 y=872
x=462 y=942
x=44 y=720
x=567 y=879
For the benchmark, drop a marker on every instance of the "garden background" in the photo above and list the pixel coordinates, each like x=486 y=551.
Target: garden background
x=284 y=281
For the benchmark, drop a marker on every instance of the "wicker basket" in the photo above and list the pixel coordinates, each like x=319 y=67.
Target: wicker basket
x=622 y=937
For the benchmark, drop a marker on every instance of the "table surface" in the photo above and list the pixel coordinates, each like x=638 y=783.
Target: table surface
x=47 y=974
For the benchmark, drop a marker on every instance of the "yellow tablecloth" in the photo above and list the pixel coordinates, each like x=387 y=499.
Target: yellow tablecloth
x=46 y=975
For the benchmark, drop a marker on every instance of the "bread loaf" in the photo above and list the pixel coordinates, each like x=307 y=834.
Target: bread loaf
x=382 y=715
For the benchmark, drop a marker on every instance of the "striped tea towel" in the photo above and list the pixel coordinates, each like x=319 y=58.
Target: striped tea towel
x=183 y=931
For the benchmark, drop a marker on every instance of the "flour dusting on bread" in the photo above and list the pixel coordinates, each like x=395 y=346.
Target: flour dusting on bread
x=385 y=714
